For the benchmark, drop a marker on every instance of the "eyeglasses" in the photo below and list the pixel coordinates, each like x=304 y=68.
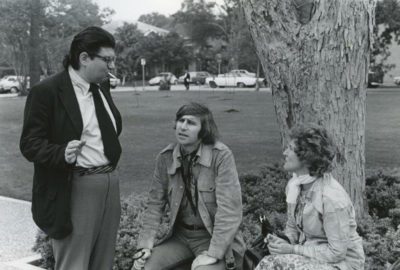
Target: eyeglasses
x=107 y=59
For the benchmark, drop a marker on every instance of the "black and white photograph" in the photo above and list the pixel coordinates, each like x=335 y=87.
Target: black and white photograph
x=200 y=134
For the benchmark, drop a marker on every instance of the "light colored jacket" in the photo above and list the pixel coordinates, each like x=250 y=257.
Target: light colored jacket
x=220 y=199
x=329 y=227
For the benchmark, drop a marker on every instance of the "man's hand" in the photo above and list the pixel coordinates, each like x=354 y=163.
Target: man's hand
x=142 y=257
x=72 y=150
x=203 y=259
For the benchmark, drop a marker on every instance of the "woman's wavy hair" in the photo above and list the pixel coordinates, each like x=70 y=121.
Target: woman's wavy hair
x=209 y=131
x=314 y=147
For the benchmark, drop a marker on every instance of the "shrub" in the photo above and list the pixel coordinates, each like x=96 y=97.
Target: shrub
x=263 y=194
x=382 y=194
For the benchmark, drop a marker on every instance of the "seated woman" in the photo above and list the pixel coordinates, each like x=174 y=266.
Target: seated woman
x=321 y=222
x=197 y=178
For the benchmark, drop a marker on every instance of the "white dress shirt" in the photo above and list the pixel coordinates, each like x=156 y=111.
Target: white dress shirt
x=92 y=153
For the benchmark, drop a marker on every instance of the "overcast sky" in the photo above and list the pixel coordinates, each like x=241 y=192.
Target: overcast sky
x=132 y=9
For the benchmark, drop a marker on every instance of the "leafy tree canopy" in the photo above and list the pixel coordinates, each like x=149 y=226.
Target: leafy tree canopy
x=387 y=30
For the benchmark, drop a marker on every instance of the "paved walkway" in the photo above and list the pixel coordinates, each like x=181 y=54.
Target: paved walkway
x=17 y=232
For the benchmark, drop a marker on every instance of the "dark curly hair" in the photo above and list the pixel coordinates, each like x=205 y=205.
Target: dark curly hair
x=314 y=147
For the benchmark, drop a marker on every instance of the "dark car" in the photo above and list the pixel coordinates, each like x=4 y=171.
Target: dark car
x=196 y=77
x=375 y=78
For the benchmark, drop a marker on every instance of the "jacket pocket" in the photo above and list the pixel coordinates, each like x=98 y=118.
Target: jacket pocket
x=207 y=192
x=44 y=207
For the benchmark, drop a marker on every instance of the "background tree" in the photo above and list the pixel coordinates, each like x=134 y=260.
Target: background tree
x=63 y=19
x=165 y=52
x=34 y=42
x=198 y=20
x=128 y=38
x=49 y=25
x=14 y=32
x=386 y=31
x=316 y=56
x=239 y=52
x=169 y=52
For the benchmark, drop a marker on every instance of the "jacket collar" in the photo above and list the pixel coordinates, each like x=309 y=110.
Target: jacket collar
x=204 y=154
x=68 y=98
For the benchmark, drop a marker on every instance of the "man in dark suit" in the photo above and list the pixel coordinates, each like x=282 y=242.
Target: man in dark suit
x=70 y=133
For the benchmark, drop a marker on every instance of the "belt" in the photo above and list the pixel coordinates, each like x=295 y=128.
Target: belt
x=94 y=170
x=193 y=227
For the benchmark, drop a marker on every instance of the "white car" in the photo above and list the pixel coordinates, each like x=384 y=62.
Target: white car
x=232 y=79
x=114 y=81
x=12 y=83
x=156 y=80
x=396 y=80
x=243 y=72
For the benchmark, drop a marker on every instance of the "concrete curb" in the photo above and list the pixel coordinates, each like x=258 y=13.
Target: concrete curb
x=14 y=200
x=8 y=95
x=25 y=263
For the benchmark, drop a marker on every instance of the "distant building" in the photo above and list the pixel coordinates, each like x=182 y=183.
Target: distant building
x=145 y=28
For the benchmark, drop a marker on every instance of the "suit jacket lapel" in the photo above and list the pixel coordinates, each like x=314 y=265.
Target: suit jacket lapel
x=117 y=116
x=68 y=98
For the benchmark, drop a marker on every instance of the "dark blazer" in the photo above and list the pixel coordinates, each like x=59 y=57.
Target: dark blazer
x=52 y=118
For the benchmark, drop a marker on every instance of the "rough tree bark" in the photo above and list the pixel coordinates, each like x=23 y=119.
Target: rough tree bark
x=316 y=54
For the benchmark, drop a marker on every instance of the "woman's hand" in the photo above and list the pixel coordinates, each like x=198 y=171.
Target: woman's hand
x=142 y=257
x=277 y=245
x=203 y=259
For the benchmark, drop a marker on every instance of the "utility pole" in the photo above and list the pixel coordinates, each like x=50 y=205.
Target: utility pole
x=143 y=63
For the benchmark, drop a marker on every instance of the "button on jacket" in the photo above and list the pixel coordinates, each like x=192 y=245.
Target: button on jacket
x=326 y=229
x=220 y=201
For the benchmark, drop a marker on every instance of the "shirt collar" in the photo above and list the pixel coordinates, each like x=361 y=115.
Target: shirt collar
x=204 y=157
x=78 y=81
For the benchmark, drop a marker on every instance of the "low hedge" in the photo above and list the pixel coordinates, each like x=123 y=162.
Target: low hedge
x=380 y=230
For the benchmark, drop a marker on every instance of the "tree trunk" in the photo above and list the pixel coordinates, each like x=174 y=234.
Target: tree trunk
x=34 y=43
x=315 y=54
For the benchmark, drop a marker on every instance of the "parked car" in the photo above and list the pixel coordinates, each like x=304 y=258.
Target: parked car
x=233 y=79
x=396 y=80
x=374 y=79
x=243 y=72
x=114 y=81
x=156 y=80
x=196 y=77
x=12 y=83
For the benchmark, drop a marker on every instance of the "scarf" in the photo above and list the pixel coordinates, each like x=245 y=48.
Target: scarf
x=293 y=186
x=187 y=177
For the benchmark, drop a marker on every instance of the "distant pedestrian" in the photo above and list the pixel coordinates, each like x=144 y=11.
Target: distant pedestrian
x=70 y=133
x=186 y=80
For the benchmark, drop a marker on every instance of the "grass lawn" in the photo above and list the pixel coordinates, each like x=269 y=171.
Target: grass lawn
x=246 y=121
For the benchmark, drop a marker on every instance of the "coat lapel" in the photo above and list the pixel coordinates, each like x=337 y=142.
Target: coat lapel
x=68 y=98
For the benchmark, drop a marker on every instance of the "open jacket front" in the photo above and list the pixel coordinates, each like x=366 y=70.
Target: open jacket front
x=219 y=205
